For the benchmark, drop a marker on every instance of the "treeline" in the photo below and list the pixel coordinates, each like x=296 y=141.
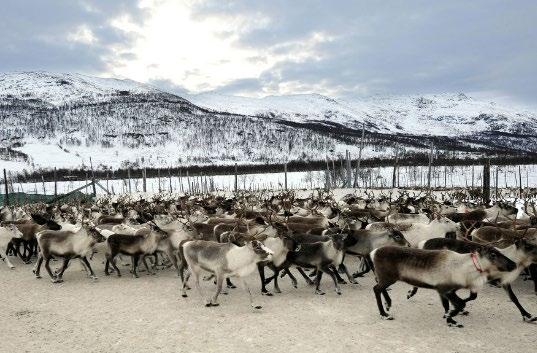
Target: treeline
x=417 y=159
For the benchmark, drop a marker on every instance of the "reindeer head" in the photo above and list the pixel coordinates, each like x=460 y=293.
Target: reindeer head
x=261 y=250
x=496 y=259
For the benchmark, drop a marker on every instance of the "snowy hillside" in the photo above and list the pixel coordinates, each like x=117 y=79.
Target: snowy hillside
x=61 y=89
x=439 y=115
x=61 y=120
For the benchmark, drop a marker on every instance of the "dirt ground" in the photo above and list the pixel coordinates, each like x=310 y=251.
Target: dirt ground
x=148 y=314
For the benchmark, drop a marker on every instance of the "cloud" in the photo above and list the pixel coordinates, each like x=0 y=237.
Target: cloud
x=257 y=47
x=392 y=46
x=63 y=35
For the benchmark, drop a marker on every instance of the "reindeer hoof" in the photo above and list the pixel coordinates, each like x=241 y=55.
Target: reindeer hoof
x=258 y=307
x=232 y=286
x=456 y=325
x=319 y=292
x=13 y=267
x=387 y=317
x=57 y=280
x=342 y=281
x=268 y=294
x=277 y=290
x=94 y=278
x=295 y=284
x=208 y=305
x=38 y=276
x=215 y=304
x=184 y=295
x=529 y=319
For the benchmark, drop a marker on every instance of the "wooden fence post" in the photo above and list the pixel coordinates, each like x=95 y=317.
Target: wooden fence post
x=486 y=181
x=520 y=190
x=395 y=181
x=129 y=177
x=359 y=157
x=55 y=183
x=327 y=181
x=348 y=182
x=236 y=179
x=430 y=164
x=94 y=189
x=285 y=176
x=170 y=178
x=6 y=198
x=144 y=181
x=496 y=182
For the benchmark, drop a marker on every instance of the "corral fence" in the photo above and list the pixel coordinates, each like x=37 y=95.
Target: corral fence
x=481 y=177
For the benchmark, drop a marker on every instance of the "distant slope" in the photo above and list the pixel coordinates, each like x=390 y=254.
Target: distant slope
x=61 y=120
x=437 y=115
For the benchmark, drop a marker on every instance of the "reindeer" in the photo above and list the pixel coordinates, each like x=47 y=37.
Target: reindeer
x=69 y=245
x=443 y=270
x=224 y=260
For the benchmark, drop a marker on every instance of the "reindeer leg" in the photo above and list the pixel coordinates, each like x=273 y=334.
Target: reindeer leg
x=247 y=289
x=378 y=289
x=229 y=284
x=6 y=260
x=59 y=276
x=412 y=292
x=184 y=279
x=336 y=273
x=135 y=259
x=525 y=315
x=318 y=283
x=196 y=273
x=445 y=304
x=219 y=282
x=351 y=279
x=533 y=274
x=86 y=262
x=148 y=269
x=37 y=269
x=261 y=270
x=308 y=280
x=292 y=277
x=459 y=305
x=113 y=262
x=47 y=267
x=332 y=273
x=366 y=268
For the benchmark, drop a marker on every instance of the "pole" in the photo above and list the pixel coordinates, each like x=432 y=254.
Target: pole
x=395 y=182
x=348 y=182
x=129 y=178
x=55 y=183
x=94 y=189
x=144 y=181
x=359 y=156
x=285 y=172
x=430 y=164
x=6 y=198
x=236 y=179
x=486 y=182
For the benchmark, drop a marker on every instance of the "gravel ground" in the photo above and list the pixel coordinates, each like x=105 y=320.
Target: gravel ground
x=148 y=314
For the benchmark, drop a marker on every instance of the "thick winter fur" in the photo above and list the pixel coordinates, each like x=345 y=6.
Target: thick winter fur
x=223 y=260
x=135 y=246
x=521 y=252
x=66 y=244
x=443 y=270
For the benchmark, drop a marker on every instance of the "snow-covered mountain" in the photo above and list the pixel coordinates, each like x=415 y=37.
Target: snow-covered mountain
x=61 y=120
x=438 y=114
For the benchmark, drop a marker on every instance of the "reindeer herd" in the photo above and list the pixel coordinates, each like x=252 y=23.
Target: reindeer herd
x=442 y=243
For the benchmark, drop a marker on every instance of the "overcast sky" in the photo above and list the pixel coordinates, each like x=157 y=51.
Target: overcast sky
x=259 y=47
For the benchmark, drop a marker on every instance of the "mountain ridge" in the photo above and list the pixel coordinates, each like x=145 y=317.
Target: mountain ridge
x=61 y=120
